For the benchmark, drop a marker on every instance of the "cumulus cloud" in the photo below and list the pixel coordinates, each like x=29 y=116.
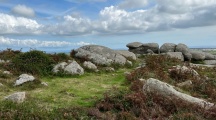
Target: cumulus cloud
x=23 y=10
x=164 y=15
x=159 y=16
x=70 y=26
x=18 y=25
x=132 y=4
x=33 y=43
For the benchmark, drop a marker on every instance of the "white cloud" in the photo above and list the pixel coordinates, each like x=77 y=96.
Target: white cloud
x=23 y=10
x=71 y=26
x=18 y=25
x=81 y=43
x=132 y=4
x=33 y=43
x=161 y=15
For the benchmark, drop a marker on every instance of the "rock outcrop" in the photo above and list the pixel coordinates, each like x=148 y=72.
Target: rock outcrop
x=17 y=97
x=151 y=46
x=197 y=55
x=209 y=56
x=154 y=86
x=100 y=55
x=185 y=51
x=210 y=62
x=59 y=67
x=139 y=48
x=168 y=47
x=24 y=78
x=134 y=45
x=127 y=54
x=72 y=68
x=177 y=55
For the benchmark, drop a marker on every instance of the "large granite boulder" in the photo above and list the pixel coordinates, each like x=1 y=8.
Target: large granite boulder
x=17 y=97
x=150 y=46
x=134 y=45
x=139 y=48
x=185 y=51
x=24 y=78
x=209 y=56
x=127 y=54
x=72 y=67
x=157 y=87
x=197 y=55
x=59 y=67
x=177 y=55
x=168 y=47
x=210 y=62
x=100 y=55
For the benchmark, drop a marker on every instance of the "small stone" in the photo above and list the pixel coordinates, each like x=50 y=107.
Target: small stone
x=24 y=78
x=18 y=97
x=7 y=72
x=44 y=83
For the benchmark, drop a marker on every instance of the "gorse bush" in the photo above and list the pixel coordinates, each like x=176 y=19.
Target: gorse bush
x=8 y=54
x=60 y=57
x=33 y=62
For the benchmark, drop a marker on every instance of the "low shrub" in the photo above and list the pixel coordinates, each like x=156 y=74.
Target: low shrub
x=33 y=62
x=9 y=54
x=60 y=57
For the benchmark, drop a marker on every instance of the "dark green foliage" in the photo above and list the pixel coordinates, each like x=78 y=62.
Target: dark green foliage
x=33 y=62
x=60 y=57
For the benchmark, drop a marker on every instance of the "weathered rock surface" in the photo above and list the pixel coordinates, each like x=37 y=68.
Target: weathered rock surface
x=184 y=70
x=134 y=45
x=197 y=55
x=127 y=54
x=210 y=62
x=59 y=67
x=167 y=47
x=24 y=78
x=185 y=51
x=150 y=52
x=74 y=68
x=151 y=46
x=209 y=56
x=155 y=86
x=100 y=55
x=129 y=63
x=89 y=65
x=17 y=97
x=177 y=55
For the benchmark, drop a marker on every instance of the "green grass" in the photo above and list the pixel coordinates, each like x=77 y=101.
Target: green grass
x=79 y=91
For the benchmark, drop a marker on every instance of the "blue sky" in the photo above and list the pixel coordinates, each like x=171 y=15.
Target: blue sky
x=62 y=25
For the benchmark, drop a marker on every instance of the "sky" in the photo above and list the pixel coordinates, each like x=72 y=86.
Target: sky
x=63 y=25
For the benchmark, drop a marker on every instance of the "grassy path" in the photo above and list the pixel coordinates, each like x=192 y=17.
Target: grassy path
x=72 y=91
